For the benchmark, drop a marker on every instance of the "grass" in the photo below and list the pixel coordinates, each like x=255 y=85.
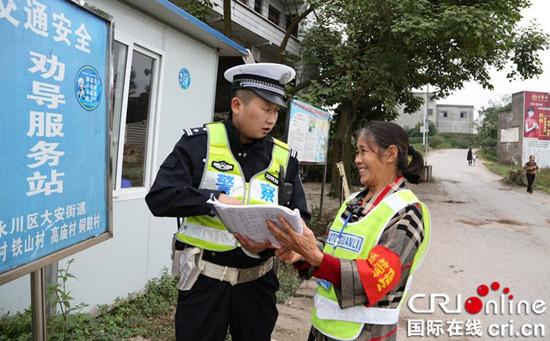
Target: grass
x=498 y=168
x=542 y=182
x=149 y=315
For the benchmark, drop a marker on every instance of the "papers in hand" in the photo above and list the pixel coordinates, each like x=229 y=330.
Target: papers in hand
x=250 y=220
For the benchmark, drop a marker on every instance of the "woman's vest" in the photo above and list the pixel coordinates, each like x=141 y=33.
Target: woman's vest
x=355 y=242
x=222 y=172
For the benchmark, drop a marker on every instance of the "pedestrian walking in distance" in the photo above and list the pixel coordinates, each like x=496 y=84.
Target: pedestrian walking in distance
x=530 y=169
x=469 y=157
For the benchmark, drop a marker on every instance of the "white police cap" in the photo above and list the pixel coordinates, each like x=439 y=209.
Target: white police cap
x=266 y=80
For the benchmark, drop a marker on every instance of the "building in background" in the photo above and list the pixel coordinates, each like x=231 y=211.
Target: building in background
x=525 y=129
x=409 y=121
x=448 y=118
x=453 y=118
x=260 y=25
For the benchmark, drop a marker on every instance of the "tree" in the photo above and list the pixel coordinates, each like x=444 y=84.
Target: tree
x=488 y=125
x=366 y=57
x=197 y=8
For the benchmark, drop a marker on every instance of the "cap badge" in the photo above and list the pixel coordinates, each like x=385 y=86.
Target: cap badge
x=285 y=77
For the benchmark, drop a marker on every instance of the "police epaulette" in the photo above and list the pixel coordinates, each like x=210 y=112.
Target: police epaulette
x=194 y=131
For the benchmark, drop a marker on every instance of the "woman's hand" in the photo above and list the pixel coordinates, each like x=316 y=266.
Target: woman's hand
x=303 y=244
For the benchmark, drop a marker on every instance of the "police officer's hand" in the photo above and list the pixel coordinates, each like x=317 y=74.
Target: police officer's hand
x=252 y=246
x=304 y=244
x=226 y=199
x=288 y=256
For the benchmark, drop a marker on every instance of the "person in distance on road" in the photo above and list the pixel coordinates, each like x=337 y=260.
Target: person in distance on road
x=375 y=243
x=530 y=168
x=469 y=157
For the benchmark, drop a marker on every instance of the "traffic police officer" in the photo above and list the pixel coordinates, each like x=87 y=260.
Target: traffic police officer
x=227 y=281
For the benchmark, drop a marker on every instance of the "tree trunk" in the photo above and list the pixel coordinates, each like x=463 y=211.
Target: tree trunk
x=227 y=18
x=341 y=144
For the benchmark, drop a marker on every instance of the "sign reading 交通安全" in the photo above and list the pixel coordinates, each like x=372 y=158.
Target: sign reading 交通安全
x=308 y=130
x=54 y=132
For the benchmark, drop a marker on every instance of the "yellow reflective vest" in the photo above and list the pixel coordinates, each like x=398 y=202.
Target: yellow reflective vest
x=355 y=242
x=223 y=172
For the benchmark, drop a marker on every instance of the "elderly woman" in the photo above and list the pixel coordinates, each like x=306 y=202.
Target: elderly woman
x=376 y=242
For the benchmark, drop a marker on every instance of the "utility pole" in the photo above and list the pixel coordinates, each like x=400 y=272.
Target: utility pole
x=426 y=123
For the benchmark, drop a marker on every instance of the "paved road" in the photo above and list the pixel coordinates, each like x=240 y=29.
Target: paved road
x=484 y=231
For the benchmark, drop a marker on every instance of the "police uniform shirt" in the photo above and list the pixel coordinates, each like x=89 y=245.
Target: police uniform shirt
x=175 y=192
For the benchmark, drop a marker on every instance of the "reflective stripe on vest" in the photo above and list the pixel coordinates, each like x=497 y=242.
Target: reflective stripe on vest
x=222 y=172
x=355 y=243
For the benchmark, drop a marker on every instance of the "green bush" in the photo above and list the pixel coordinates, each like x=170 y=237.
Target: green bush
x=436 y=141
x=289 y=282
x=415 y=140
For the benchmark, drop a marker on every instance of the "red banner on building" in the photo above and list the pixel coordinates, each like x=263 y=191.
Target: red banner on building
x=536 y=118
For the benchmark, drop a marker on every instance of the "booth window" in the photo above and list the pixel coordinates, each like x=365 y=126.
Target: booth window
x=120 y=54
x=135 y=72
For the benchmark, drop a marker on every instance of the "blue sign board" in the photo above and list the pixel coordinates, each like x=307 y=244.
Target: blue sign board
x=53 y=134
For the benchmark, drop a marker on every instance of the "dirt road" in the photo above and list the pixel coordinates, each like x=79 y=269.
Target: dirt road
x=484 y=232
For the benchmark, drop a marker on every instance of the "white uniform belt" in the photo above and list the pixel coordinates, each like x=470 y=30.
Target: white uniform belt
x=330 y=310
x=235 y=275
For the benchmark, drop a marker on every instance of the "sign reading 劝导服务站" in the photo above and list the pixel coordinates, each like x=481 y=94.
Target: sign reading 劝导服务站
x=55 y=197
x=536 y=127
x=308 y=130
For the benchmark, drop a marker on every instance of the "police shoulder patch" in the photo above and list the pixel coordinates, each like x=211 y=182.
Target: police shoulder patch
x=194 y=131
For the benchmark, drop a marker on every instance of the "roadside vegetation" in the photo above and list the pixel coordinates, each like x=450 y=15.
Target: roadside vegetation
x=144 y=316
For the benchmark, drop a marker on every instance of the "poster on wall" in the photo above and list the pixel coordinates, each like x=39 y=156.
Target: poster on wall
x=536 y=127
x=308 y=132
x=54 y=134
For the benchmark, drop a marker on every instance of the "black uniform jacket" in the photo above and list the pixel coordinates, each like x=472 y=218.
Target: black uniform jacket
x=176 y=193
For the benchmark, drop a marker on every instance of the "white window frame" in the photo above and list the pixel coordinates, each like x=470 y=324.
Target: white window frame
x=152 y=129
